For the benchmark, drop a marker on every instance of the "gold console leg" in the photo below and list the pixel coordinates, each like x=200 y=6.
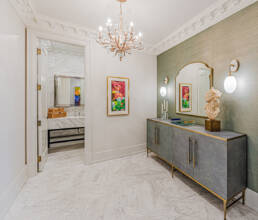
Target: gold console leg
x=225 y=208
x=243 y=196
x=147 y=152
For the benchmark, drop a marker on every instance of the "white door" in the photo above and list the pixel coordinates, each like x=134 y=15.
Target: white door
x=42 y=108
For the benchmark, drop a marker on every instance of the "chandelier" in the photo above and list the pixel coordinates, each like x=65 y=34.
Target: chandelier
x=120 y=39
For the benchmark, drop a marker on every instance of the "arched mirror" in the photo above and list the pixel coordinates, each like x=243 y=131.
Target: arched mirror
x=192 y=83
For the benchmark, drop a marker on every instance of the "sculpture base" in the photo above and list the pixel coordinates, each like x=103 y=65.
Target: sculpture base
x=212 y=125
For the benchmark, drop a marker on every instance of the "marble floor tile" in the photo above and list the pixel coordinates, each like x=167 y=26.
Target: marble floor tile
x=130 y=188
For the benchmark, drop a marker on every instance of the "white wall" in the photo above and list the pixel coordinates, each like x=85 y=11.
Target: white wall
x=118 y=136
x=12 y=111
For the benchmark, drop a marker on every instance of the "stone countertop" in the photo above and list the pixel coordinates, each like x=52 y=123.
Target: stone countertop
x=66 y=122
x=223 y=135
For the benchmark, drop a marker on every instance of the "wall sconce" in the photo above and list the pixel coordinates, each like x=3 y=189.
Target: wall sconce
x=230 y=83
x=163 y=89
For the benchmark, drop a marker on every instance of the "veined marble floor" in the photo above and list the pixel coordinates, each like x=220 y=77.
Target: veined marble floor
x=131 y=188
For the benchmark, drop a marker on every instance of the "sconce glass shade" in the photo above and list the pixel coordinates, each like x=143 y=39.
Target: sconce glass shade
x=163 y=91
x=230 y=84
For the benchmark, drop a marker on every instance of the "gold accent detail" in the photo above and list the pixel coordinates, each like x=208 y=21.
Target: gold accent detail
x=194 y=153
x=122 y=1
x=212 y=125
x=211 y=85
x=39 y=123
x=39 y=51
x=39 y=159
x=197 y=132
x=156 y=154
x=205 y=187
x=38 y=87
x=127 y=92
x=225 y=201
x=225 y=209
x=243 y=196
x=26 y=102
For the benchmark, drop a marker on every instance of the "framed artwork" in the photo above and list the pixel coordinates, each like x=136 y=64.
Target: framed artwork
x=117 y=96
x=185 y=97
x=77 y=96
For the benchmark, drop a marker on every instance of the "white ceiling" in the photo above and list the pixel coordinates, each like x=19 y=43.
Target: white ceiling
x=155 y=18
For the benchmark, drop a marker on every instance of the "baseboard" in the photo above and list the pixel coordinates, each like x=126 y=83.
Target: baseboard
x=118 y=153
x=10 y=194
x=252 y=199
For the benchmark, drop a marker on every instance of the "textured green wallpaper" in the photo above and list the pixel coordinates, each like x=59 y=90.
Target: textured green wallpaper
x=234 y=37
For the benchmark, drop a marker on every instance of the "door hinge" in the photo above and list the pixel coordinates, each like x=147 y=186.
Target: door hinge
x=39 y=159
x=38 y=51
x=38 y=87
x=39 y=123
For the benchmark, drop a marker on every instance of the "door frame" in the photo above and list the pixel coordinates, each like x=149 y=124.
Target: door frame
x=31 y=102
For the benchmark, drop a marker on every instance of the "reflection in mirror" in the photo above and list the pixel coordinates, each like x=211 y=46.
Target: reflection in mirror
x=69 y=91
x=192 y=83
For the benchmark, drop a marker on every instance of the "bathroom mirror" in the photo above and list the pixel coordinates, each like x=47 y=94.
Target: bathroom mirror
x=69 y=91
x=192 y=83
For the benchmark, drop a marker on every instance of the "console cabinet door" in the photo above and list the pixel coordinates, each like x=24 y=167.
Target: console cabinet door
x=182 y=151
x=151 y=134
x=210 y=162
x=165 y=148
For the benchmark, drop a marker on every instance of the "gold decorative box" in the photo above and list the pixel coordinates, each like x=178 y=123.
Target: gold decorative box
x=212 y=125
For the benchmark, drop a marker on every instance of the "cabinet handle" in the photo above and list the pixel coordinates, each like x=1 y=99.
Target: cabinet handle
x=194 y=153
x=189 y=150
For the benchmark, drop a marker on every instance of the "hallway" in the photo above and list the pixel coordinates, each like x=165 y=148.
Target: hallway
x=131 y=188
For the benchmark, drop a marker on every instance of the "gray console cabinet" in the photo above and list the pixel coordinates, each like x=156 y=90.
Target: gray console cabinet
x=215 y=160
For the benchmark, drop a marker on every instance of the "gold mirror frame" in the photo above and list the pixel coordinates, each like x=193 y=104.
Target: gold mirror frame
x=211 y=85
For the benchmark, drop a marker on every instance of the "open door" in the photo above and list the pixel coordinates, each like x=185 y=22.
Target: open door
x=42 y=148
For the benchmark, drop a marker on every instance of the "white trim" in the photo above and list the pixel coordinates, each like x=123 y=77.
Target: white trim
x=118 y=152
x=252 y=199
x=217 y=12
x=9 y=195
x=33 y=37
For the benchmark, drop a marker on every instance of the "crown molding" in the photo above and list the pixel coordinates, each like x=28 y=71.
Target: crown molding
x=209 y=17
x=220 y=10
x=39 y=22
x=45 y=24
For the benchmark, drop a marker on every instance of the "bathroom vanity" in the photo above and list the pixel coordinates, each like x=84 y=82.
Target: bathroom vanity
x=64 y=131
x=214 y=160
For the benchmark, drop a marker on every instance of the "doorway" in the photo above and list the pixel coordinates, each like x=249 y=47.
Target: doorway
x=60 y=98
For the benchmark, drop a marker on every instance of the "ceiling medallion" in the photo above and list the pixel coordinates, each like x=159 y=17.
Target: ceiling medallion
x=120 y=39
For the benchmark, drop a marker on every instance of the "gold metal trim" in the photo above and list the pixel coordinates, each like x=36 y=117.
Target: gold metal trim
x=197 y=132
x=211 y=85
x=225 y=201
x=38 y=87
x=26 y=101
x=128 y=92
x=38 y=51
x=156 y=154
